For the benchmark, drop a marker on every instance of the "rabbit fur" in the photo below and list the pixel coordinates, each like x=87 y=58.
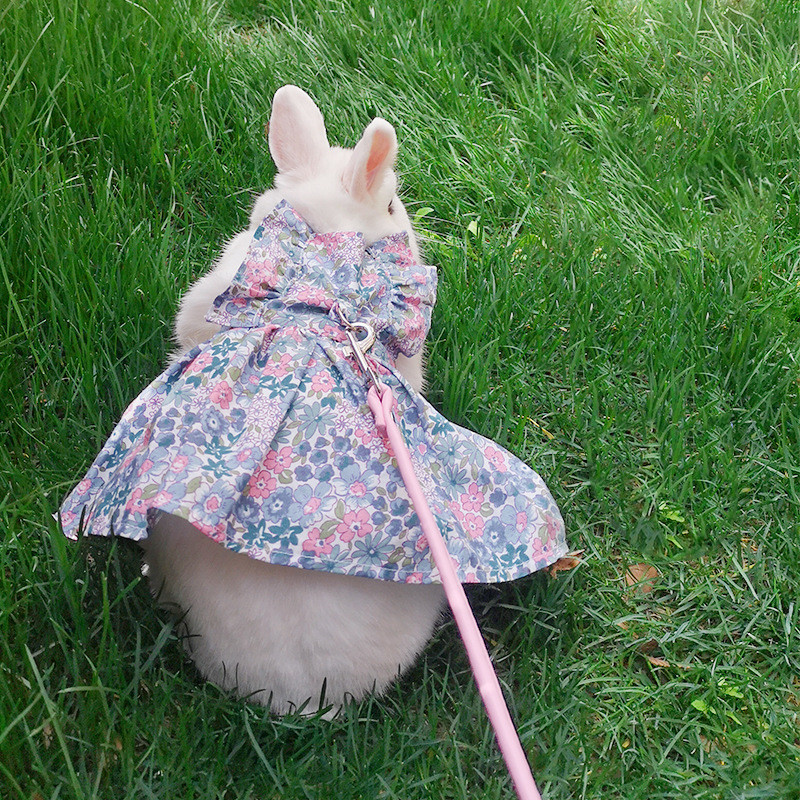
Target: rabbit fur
x=279 y=635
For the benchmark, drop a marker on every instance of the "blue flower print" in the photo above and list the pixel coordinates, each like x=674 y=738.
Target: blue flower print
x=495 y=532
x=455 y=478
x=342 y=461
x=399 y=507
x=285 y=533
x=308 y=504
x=247 y=511
x=211 y=503
x=214 y=423
x=313 y=419
x=319 y=455
x=497 y=497
x=277 y=504
x=344 y=275
x=362 y=454
x=510 y=557
x=304 y=473
x=373 y=549
x=241 y=460
x=324 y=473
x=340 y=444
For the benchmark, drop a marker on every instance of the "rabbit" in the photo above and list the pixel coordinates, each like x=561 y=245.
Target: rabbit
x=259 y=629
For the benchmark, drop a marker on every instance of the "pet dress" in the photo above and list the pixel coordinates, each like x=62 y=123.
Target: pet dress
x=262 y=438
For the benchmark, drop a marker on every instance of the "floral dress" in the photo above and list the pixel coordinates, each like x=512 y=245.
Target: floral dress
x=261 y=436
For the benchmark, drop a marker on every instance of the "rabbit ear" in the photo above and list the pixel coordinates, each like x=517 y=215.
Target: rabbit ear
x=372 y=158
x=297 y=138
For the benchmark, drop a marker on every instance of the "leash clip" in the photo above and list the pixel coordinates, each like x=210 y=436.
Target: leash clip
x=360 y=346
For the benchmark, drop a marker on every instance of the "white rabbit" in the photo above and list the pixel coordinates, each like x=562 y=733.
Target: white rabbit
x=278 y=634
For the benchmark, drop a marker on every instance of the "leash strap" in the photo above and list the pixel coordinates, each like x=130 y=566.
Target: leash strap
x=381 y=403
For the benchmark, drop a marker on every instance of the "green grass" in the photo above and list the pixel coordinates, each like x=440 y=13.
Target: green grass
x=610 y=191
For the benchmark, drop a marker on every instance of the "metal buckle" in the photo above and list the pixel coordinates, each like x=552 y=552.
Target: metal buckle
x=360 y=346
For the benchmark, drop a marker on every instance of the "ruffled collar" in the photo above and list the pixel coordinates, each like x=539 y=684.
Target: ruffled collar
x=340 y=245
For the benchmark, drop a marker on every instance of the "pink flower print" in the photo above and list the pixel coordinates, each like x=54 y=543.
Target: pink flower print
x=472 y=499
x=313 y=295
x=420 y=277
x=541 y=551
x=161 y=498
x=364 y=436
x=211 y=503
x=135 y=503
x=496 y=458
x=261 y=484
x=179 y=463
x=473 y=525
x=471 y=577
x=359 y=489
x=354 y=523
x=260 y=274
x=321 y=382
x=332 y=332
x=316 y=544
x=146 y=466
x=293 y=332
x=398 y=248
x=369 y=278
x=332 y=240
x=200 y=362
x=216 y=532
x=84 y=486
x=220 y=531
x=279 y=460
x=553 y=528
x=222 y=394
x=279 y=368
x=414 y=577
x=421 y=545
x=67 y=519
x=312 y=505
x=243 y=455
x=522 y=521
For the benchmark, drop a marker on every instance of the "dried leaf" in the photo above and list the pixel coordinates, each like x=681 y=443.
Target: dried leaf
x=660 y=662
x=641 y=577
x=565 y=563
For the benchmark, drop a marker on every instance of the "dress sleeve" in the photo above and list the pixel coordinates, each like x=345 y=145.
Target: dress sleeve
x=403 y=297
x=270 y=265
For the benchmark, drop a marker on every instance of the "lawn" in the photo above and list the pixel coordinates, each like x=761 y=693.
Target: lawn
x=610 y=191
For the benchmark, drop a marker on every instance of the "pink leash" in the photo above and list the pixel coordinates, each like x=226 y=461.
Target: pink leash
x=381 y=402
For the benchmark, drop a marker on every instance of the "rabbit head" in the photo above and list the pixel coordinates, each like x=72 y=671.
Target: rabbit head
x=333 y=188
